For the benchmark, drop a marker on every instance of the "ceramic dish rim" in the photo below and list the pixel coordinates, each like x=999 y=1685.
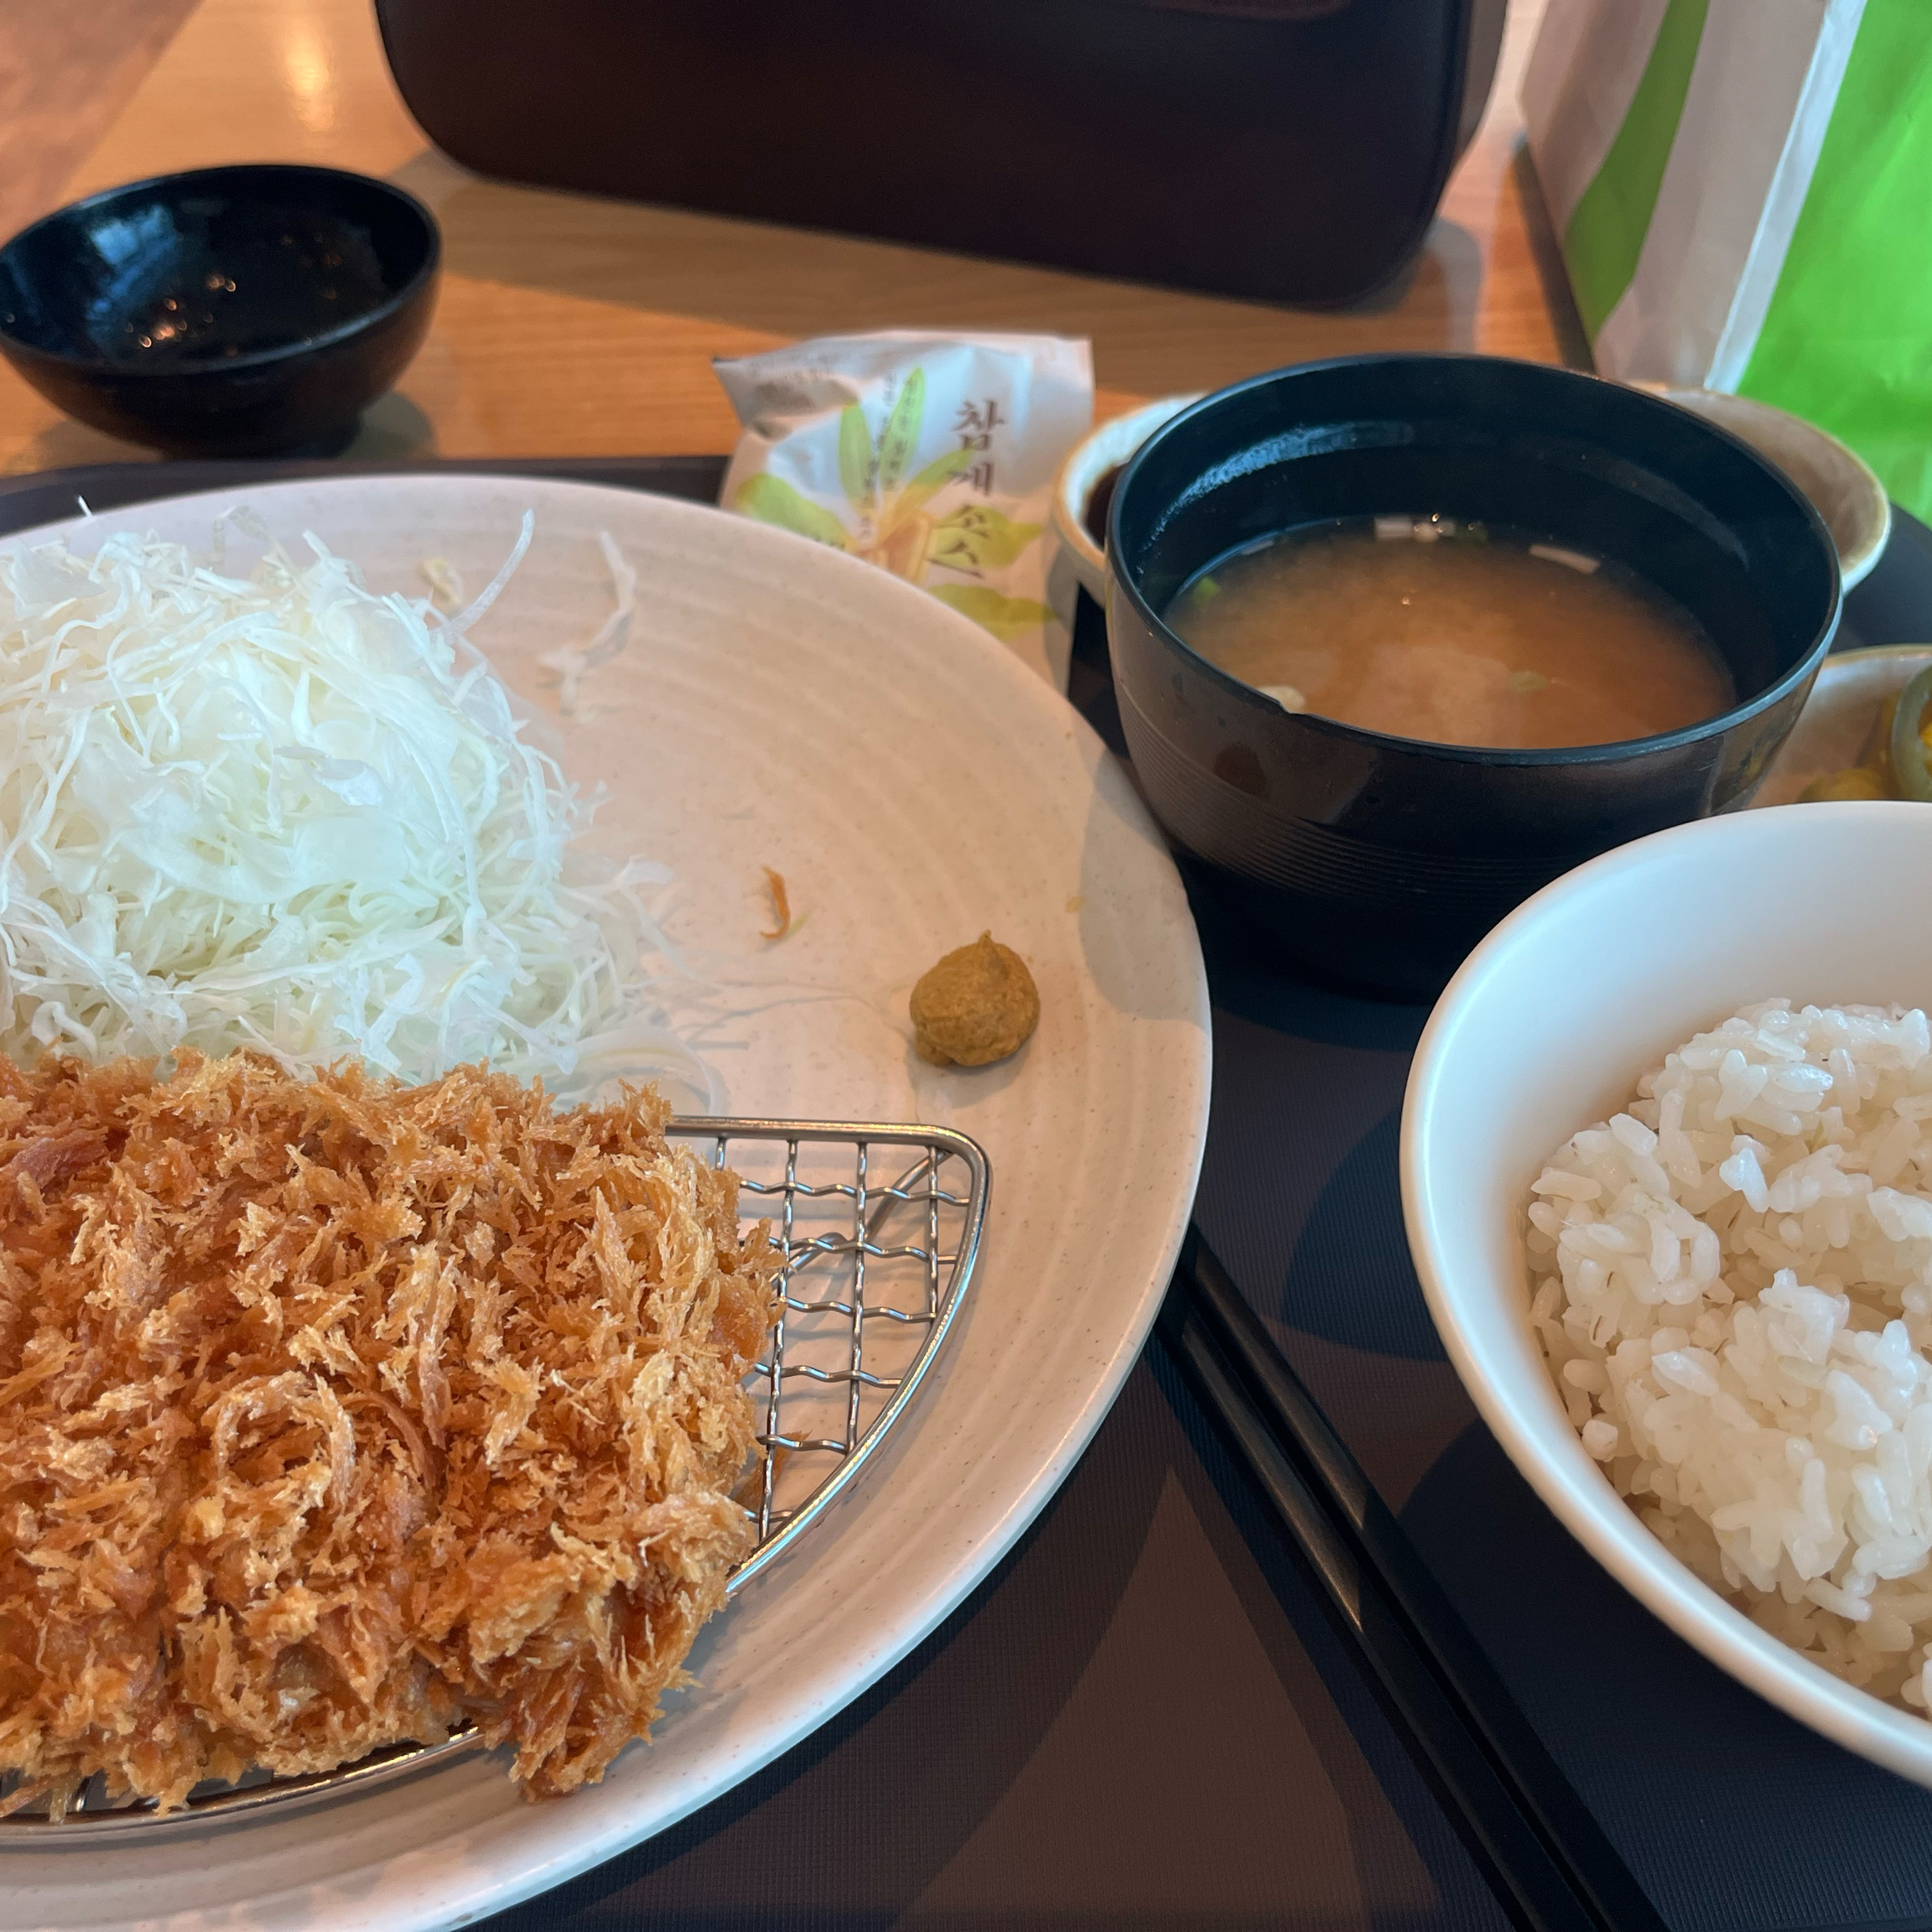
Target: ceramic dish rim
x=1073 y=489
x=1863 y=562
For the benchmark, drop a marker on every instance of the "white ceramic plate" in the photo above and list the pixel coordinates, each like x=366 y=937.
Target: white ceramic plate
x=783 y=705
x=1546 y=1028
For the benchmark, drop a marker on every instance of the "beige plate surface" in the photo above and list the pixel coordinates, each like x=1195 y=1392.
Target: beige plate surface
x=782 y=705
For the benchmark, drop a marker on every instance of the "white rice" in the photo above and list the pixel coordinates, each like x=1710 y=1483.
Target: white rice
x=1733 y=1281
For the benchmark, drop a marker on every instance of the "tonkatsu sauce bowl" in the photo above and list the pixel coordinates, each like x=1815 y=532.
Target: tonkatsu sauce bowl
x=1379 y=862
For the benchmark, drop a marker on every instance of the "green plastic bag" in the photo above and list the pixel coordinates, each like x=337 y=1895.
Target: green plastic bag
x=1742 y=189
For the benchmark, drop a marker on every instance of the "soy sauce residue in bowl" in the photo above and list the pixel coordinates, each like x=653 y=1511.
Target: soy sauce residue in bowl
x=1453 y=633
x=270 y=284
x=1095 y=518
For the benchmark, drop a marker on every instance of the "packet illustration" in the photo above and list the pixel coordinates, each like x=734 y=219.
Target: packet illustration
x=932 y=456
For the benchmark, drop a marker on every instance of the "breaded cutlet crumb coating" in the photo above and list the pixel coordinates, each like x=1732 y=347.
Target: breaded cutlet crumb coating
x=334 y=1413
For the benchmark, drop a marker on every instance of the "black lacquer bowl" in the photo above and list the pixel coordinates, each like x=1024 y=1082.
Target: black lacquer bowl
x=243 y=311
x=1379 y=862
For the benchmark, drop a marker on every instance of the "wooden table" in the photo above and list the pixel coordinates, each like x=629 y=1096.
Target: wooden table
x=573 y=326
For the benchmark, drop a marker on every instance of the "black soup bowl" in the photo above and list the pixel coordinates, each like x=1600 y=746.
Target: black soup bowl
x=1378 y=862
x=243 y=311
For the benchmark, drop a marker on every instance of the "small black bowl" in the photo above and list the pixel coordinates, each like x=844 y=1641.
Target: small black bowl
x=1379 y=862
x=244 y=311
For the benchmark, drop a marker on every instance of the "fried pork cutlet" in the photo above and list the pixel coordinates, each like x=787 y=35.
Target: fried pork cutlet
x=333 y=1413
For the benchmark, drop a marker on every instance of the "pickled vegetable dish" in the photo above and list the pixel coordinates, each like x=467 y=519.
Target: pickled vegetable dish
x=1897 y=760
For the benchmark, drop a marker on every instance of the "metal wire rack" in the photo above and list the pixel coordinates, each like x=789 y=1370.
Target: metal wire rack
x=861 y=1317
x=878 y=1227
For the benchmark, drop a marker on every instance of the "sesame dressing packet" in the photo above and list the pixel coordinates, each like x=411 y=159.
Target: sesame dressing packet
x=932 y=456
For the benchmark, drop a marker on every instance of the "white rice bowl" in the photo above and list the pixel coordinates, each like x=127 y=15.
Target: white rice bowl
x=1549 y=1026
x=1733 y=1284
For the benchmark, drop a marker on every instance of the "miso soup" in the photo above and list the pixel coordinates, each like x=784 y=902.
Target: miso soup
x=1428 y=628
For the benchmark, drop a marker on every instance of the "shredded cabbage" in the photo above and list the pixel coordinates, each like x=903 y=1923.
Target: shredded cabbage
x=287 y=813
x=573 y=665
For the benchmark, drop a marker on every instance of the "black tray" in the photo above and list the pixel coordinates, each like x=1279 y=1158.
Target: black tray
x=52 y=496
x=1597 y=1770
